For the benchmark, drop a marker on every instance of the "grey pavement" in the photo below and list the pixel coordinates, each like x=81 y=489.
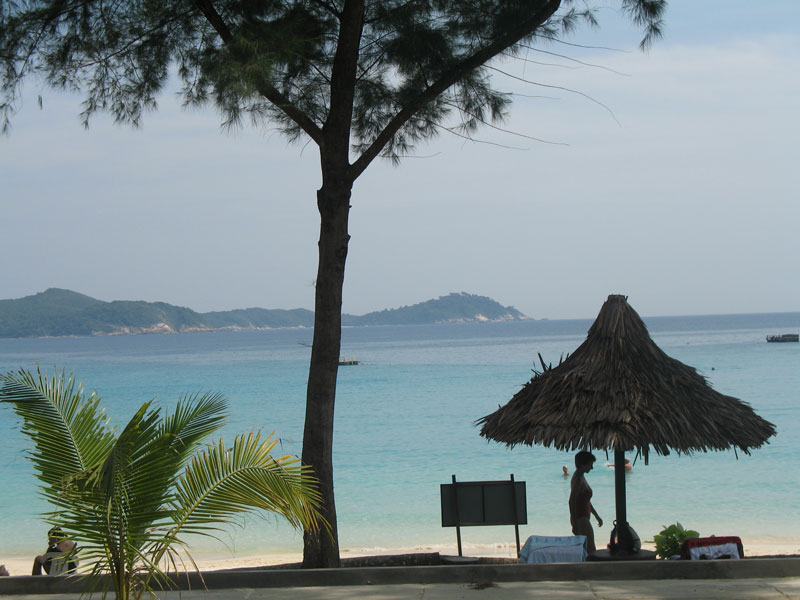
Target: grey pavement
x=752 y=579
x=663 y=589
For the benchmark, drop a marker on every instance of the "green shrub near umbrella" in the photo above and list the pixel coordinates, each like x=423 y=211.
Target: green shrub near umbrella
x=669 y=540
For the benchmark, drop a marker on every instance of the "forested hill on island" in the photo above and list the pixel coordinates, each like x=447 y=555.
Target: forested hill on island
x=56 y=312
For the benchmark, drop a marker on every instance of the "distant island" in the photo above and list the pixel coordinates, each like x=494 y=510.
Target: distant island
x=57 y=313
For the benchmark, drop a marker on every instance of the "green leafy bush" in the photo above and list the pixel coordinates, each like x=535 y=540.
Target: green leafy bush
x=668 y=542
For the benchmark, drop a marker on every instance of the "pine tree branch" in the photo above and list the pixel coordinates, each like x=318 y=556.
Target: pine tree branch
x=448 y=78
x=216 y=20
x=338 y=125
x=472 y=140
x=560 y=87
x=328 y=7
x=486 y=123
x=267 y=90
x=570 y=59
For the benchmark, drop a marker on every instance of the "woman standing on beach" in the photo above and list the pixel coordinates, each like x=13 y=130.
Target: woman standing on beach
x=580 y=500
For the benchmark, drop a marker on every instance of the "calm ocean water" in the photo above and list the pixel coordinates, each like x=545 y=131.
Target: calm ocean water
x=405 y=423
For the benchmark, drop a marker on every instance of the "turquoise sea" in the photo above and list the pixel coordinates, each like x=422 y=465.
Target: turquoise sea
x=405 y=424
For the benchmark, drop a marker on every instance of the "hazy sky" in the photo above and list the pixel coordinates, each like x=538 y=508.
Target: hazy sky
x=672 y=178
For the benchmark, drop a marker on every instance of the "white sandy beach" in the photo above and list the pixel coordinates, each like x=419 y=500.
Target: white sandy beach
x=19 y=565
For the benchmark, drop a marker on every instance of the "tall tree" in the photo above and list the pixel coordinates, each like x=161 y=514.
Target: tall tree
x=359 y=78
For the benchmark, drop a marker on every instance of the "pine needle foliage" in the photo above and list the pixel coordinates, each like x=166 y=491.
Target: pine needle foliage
x=128 y=496
x=421 y=62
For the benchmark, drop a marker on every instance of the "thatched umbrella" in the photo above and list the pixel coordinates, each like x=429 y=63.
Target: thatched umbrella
x=619 y=391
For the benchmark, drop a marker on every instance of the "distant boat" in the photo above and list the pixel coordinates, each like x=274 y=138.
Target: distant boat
x=346 y=362
x=786 y=337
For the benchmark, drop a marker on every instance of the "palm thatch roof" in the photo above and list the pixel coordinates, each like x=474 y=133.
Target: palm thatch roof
x=620 y=391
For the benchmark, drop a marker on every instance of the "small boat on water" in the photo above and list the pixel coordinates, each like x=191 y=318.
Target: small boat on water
x=346 y=362
x=786 y=337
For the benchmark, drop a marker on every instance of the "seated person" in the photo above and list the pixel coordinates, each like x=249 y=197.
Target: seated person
x=59 y=558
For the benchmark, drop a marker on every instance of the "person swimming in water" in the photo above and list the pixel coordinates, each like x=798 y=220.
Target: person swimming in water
x=628 y=465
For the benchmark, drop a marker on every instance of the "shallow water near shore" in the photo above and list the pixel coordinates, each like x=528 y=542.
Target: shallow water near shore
x=405 y=423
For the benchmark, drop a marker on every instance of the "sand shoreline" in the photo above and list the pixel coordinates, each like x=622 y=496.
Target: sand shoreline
x=21 y=565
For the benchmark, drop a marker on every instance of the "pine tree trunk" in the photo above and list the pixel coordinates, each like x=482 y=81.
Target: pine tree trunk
x=321 y=548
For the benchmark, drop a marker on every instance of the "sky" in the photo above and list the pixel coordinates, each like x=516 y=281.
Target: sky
x=669 y=176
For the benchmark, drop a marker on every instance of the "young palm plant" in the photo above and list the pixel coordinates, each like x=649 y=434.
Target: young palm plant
x=127 y=497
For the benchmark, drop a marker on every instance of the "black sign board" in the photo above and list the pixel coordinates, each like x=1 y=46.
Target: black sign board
x=478 y=503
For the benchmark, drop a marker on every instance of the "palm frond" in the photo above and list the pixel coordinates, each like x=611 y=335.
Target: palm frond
x=219 y=482
x=195 y=418
x=118 y=506
x=140 y=471
x=70 y=431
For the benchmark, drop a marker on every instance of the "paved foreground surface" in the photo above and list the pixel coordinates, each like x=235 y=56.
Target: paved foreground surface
x=784 y=588
x=768 y=579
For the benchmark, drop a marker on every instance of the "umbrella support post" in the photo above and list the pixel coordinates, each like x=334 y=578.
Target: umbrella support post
x=624 y=549
x=624 y=539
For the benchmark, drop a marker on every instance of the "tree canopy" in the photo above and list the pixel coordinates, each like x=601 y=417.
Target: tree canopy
x=272 y=60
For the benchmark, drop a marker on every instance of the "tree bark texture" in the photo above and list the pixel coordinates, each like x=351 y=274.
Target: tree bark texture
x=321 y=548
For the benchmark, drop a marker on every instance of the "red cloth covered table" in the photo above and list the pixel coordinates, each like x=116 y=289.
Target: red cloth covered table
x=712 y=547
